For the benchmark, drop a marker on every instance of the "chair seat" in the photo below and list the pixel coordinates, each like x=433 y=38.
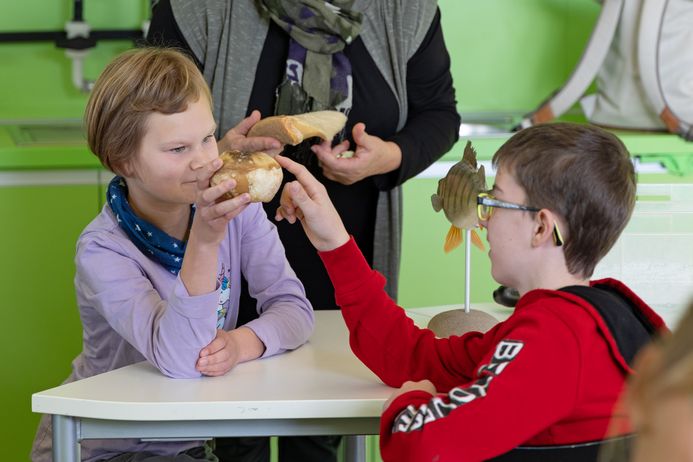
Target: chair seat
x=607 y=450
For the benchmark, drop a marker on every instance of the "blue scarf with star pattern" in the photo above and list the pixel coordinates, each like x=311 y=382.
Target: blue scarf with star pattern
x=153 y=242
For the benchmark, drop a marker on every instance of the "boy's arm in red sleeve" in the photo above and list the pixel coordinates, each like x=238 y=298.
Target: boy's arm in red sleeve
x=528 y=382
x=384 y=338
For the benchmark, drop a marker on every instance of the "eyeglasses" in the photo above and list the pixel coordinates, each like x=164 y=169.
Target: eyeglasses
x=486 y=203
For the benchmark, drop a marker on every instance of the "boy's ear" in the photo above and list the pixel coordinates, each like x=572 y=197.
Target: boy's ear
x=543 y=231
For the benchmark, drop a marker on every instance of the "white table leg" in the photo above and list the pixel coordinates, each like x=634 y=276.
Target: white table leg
x=65 y=445
x=355 y=448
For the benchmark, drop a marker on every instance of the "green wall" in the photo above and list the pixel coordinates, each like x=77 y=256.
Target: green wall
x=506 y=55
x=35 y=82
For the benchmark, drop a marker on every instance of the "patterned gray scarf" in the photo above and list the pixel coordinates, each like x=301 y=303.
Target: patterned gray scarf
x=318 y=74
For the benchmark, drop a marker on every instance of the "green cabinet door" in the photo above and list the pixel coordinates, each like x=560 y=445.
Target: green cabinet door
x=38 y=314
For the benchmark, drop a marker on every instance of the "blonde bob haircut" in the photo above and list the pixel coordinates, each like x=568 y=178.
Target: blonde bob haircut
x=135 y=84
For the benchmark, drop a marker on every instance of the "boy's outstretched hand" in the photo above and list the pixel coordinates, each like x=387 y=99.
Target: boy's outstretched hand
x=306 y=200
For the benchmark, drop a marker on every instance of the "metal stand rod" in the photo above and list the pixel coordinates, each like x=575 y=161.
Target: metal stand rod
x=467 y=267
x=355 y=448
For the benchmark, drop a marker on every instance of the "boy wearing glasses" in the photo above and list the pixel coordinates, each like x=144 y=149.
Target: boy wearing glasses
x=550 y=374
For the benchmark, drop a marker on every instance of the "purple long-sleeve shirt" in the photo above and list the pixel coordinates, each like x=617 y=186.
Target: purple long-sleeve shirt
x=134 y=309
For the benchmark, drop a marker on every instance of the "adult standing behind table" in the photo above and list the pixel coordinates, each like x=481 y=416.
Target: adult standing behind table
x=390 y=71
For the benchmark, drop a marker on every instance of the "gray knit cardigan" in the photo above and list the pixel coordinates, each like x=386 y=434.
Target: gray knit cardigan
x=227 y=36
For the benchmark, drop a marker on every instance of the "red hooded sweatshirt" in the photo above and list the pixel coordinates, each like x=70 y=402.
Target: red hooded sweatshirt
x=550 y=374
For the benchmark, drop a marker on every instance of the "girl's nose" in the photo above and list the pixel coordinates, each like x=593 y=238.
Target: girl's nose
x=204 y=154
x=210 y=151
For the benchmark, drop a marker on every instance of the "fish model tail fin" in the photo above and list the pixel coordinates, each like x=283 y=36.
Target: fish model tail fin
x=476 y=240
x=453 y=239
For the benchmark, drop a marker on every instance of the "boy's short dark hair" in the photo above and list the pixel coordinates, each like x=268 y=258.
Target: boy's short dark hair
x=580 y=172
x=135 y=84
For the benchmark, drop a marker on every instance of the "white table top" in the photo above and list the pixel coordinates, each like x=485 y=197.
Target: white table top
x=321 y=379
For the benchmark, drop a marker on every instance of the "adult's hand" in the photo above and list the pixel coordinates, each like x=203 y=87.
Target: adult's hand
x=306 y=200
x=236 y=138
x=372 y=156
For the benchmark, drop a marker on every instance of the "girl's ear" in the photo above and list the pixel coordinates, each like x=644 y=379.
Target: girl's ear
x=124 y=169
x=543 y=231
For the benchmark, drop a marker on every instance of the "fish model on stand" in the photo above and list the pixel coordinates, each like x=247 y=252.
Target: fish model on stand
x=456 y=196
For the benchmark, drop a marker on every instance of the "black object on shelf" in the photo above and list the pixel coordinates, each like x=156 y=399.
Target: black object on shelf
x=60 y=37
x=506 y=296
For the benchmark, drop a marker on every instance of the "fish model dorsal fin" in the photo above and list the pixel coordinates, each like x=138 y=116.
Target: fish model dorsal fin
x=469 y=154
x=481 y=174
